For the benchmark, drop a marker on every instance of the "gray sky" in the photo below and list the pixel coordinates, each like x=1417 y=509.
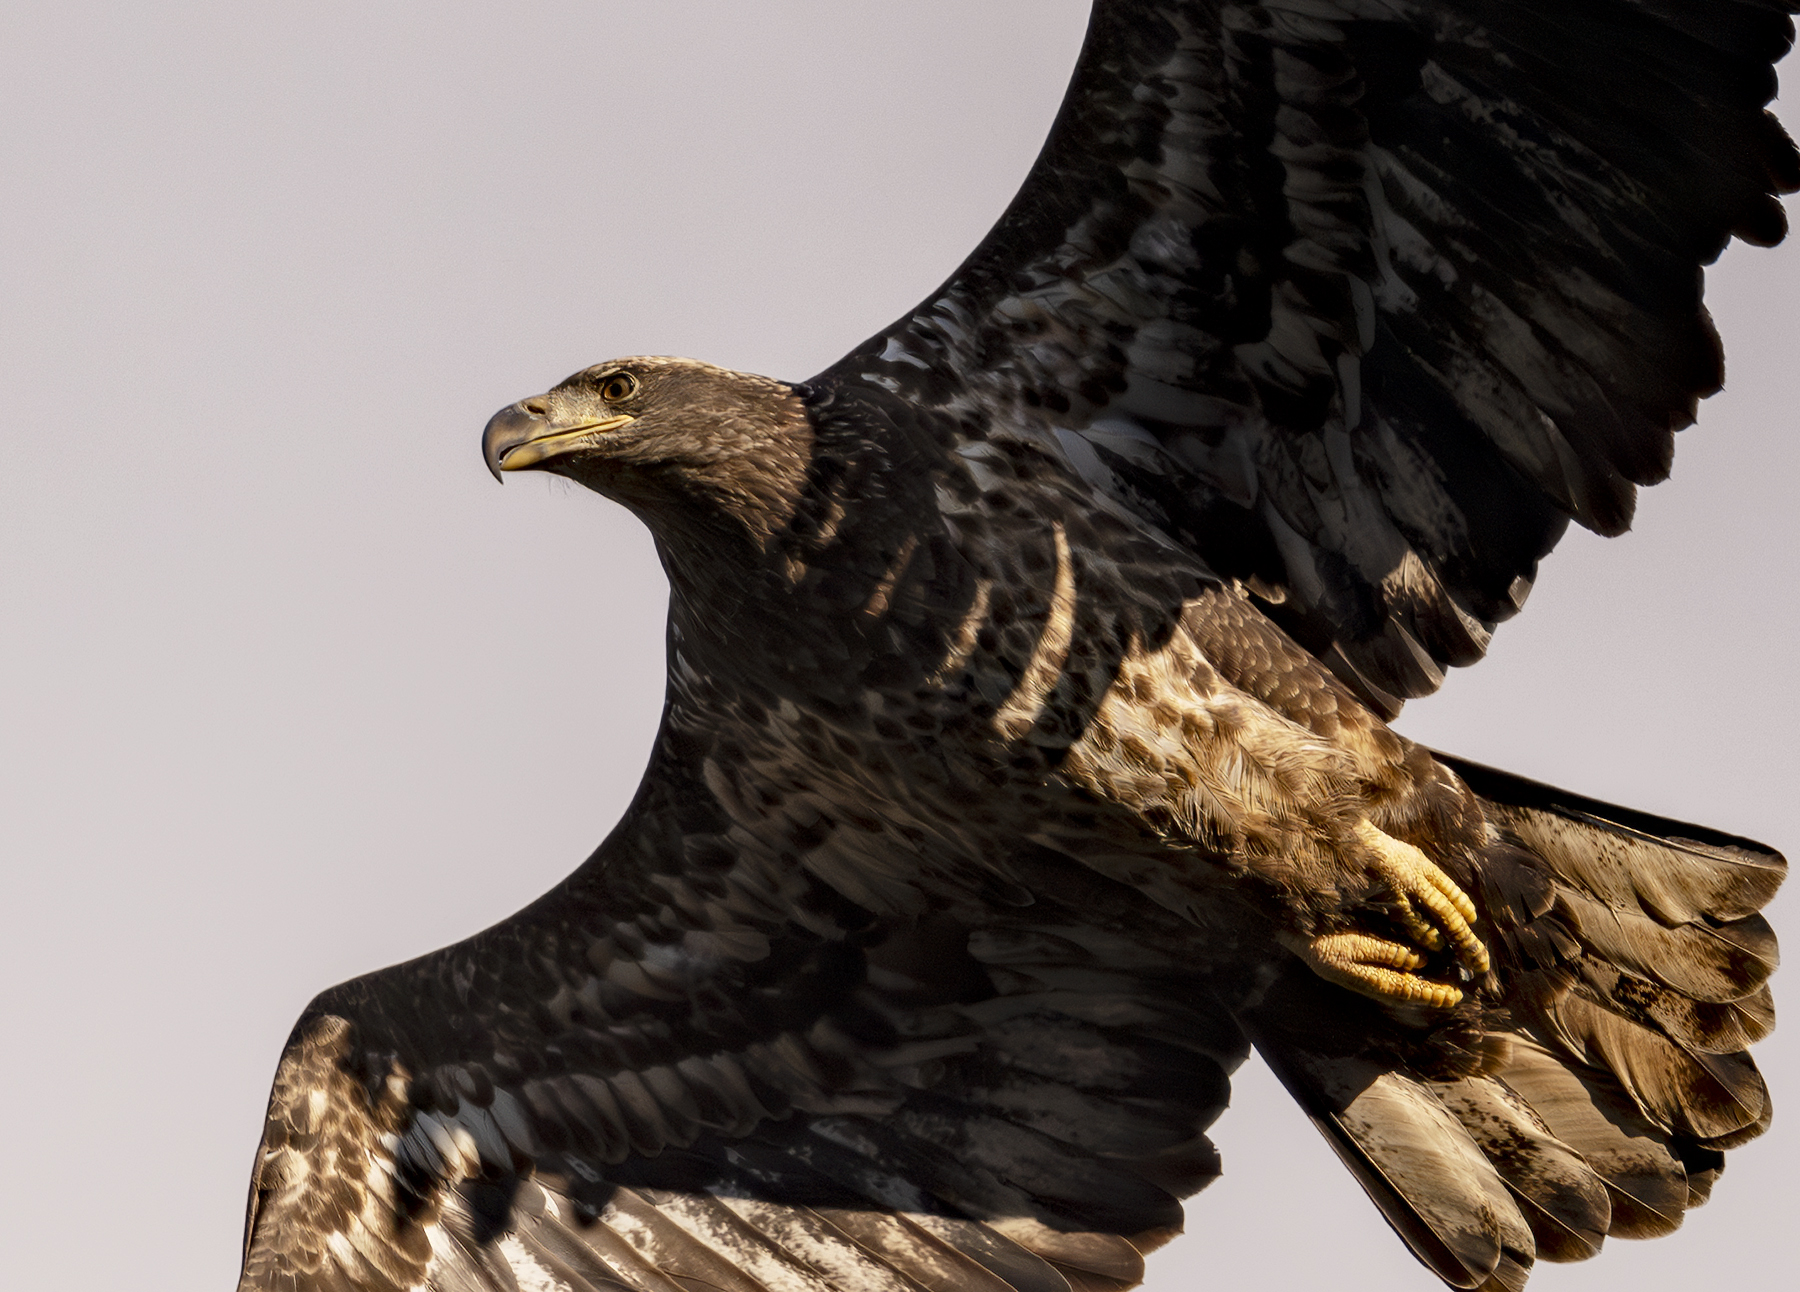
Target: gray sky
x=290 y=689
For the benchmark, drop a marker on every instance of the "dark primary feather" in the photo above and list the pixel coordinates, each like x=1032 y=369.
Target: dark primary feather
x=670 y=1070
x=1362 y=300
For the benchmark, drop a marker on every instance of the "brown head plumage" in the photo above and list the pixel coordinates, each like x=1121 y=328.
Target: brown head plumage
x=684 y=444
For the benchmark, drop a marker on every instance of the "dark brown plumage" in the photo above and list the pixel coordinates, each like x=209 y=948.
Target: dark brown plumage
x=1025 y=757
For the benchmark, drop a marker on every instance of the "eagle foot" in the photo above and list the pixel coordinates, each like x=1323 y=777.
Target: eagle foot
x=1374 y=967
x=1433 y=910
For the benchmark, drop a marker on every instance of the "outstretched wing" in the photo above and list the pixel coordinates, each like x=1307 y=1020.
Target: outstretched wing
x=689 y=1068
x=1362 y=300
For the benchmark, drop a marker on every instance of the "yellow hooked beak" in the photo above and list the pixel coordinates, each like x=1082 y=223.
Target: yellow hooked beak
x=517 y=439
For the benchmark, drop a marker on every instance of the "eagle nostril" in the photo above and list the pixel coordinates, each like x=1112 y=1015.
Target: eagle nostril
x=536 y=407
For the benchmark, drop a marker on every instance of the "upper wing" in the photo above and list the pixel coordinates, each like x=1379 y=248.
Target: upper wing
x=1362 y=300
x=681 y=1071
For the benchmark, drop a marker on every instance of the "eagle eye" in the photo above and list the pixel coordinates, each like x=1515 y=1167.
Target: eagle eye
x=618 y=386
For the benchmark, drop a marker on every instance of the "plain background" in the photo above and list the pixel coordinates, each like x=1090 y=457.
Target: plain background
x=290 y=688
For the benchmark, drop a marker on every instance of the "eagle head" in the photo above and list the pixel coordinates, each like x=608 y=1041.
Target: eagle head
x=673 y=439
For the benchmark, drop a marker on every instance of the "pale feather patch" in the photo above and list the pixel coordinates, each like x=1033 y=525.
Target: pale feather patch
x=967 y=634
x=531 y=1274
x=1048 y=656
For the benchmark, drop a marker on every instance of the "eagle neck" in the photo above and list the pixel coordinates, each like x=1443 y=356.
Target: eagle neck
x=815 y=598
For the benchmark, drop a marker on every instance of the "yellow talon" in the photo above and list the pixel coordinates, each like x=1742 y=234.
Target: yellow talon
x=1423 y=932
x=1416 y=881
x=1374 y=967
x=1431 y=908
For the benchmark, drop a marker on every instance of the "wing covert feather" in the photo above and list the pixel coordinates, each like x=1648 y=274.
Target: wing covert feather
x=1363 y=300
x=620 y=1087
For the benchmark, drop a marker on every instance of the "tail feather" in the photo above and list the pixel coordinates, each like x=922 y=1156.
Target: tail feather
x=1559 y=1194
x=1591 y=1087
x=1670 y=984
x=1415 y=1161
x=1587 y=1111
x=1701 y=960
x=1676 y=872
x=1703 y=1096
x=1708 y=1027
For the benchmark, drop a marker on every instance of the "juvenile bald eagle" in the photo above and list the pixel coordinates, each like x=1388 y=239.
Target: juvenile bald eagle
x=1025 y=758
